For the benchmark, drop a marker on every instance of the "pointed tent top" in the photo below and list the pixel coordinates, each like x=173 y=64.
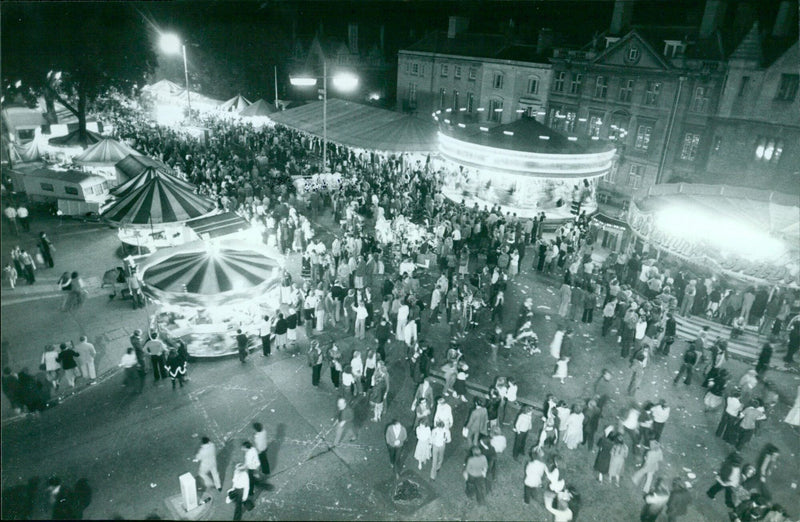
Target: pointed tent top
x=158 y=200
x=29 y=152
x=259 y=108
x=749 y=49
x=235 y=104
x=104 y=152
x=141 y=170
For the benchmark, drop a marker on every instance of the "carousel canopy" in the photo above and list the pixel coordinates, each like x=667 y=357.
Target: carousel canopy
x=259 y=108
x=205 y=273
x=158 y=200
x=362 y=126
x=134 y=165
x=105 y=152
x=235 y=104
x=218 y=225
x=76 y=139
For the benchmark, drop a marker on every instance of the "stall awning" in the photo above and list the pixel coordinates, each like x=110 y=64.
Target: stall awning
x=362 y=126
x=604 y=219
x=218 y=225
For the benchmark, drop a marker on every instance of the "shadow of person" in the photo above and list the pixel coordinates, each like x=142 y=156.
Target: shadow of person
x=17 y=501
x=274 y=447
x=81 y=497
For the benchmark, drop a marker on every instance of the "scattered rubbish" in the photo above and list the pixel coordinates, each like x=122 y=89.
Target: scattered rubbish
x=691 y=476
x=195 y=435
x=153 y=484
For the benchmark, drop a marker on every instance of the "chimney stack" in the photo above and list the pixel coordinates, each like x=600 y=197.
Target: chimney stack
x=783 y=22
x=457 y=25
x=544 y=42
x=622 y=17
x=713 y=16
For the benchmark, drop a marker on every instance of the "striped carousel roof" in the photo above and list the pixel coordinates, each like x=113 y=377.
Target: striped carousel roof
x=145 y=169
x=208 y=273
x=158 y=200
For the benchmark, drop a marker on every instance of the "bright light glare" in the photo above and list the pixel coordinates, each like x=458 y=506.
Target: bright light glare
x=728 y=235
x=170 y=43
x=303 y=81
x=345 y=81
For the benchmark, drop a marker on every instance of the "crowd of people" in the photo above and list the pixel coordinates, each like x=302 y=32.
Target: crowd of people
x=400 y=260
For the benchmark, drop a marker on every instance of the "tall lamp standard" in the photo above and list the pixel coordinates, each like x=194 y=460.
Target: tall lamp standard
x=172 y=44
x=343 y=82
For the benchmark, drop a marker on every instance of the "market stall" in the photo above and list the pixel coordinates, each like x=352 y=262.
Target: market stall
x=206 y=290
x=102 y=158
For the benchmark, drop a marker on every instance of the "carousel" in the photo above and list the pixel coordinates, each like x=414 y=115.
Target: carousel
x=152 y=211
x=524 y=166
x=206 y=290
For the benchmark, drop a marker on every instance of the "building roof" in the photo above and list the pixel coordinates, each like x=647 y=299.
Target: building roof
x=70 y=176
x=473 y=45
x=23 y=117
x=258 y=108
x=105 y=152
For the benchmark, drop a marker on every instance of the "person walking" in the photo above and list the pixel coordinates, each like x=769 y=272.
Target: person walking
x=652 y=461
x=261 y=442
x=679 y=500
x=241 y=345
x=239 y=493
x=67 y=358
x=344 y=421
x=591 y=421
x=129 y=365
x=86 y=355
x=477 y=423
x=534 y=474
x=11 y=215
x=440 y=437
x=155 y=348
x=28 y=266
x=728 y=478
x=251 y=464
x=475 y=470
x=207 y=457
x=395 y=439
x=619 y=452
x=423 y=450
x=602 y=462
x=660 y=416
x=690 y=358
x=47 y=249
x=266 y=333
x=655 y=502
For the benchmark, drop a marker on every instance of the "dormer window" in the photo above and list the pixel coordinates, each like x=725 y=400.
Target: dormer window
x=673 y=48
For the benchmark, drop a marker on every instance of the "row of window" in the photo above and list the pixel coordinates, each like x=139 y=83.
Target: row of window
x=787 y=87
x=700 y=99
x=636 y=174
x=418 y=69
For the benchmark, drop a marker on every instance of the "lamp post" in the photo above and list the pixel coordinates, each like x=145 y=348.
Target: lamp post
x=343 y=82
x=172 y=44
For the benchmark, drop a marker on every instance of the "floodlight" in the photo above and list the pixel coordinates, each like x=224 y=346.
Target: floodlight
x=170 y=43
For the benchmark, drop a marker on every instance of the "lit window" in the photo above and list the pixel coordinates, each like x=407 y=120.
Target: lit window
x=651 y=95
x=457 y=71
x=558 y=84
x=442 y=101
x=691 y=143
x=600 y=87
x=643 y=137
x=595 y=123
x=445 y=70
x=470 y=102
x=496 y=110
x=497 y=80
x=633 y=54
x=412 y=95
x=787 y=89
x=575 y=85
x=455 y=100
x=769 y=150
x=473 y=73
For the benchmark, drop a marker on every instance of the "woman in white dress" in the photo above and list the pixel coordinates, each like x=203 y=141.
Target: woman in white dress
x=793 y=417
x=423 y=451
x=555 y=345
x=402 y=319
x=572 y=432
x=562 y=370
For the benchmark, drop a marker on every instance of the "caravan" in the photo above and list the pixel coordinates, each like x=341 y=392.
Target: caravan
x=75 y=193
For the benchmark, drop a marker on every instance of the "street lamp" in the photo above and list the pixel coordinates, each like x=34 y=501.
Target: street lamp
x=343 y=82
x=172 y=44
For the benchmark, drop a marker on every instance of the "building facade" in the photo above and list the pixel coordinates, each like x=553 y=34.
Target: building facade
x=487 y=77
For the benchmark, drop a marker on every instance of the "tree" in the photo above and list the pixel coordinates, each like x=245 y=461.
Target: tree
x=73 y=52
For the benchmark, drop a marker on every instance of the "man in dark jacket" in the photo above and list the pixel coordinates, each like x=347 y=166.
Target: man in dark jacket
x=690 y=358
x=68 y=363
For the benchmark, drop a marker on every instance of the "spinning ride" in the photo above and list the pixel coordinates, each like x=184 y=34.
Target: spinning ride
x=523 y=166
x=206 y=290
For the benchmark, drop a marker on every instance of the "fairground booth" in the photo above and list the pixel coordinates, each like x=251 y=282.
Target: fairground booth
x=746 y=235
x=205 y=291
x=523 y=166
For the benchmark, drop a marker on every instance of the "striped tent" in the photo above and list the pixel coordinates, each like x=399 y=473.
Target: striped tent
x=236 y=104
x=76 y=139
x=206 y=273
x=158 y=200
x=104 y=153
x=147 y=173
